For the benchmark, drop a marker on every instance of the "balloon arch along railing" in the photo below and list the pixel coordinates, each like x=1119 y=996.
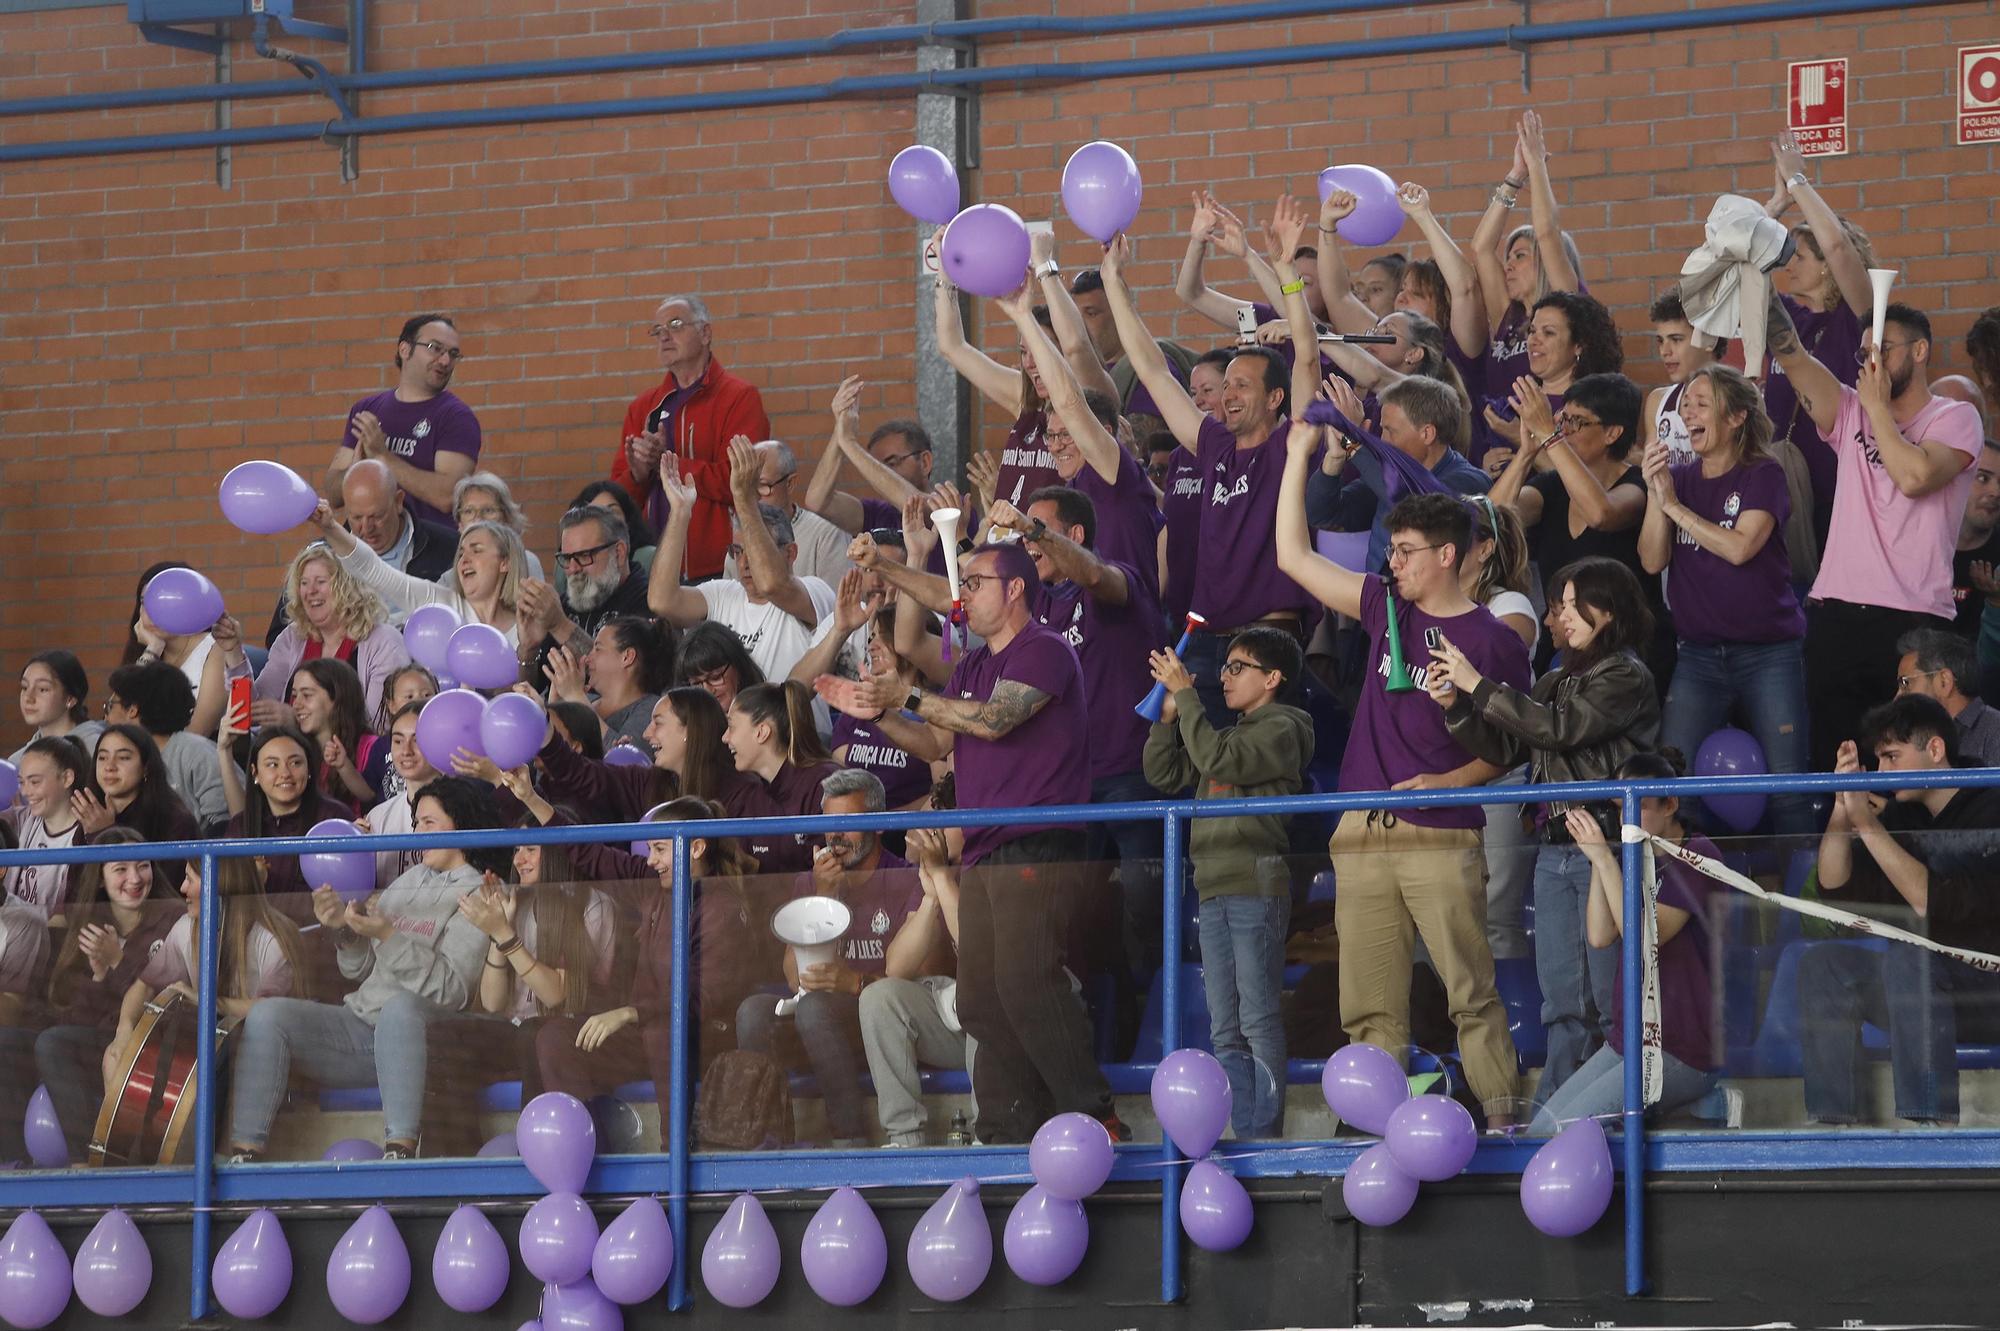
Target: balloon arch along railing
x=206 y=1190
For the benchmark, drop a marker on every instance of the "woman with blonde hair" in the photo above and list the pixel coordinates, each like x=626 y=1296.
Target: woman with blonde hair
x=328 y=614
x=487 y=573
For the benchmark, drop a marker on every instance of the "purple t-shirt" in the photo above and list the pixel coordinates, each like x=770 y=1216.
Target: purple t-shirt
x=1112 y=643
x=1400 y=735
x=1716 y=601
x=417 y=432
x=1025 y=464
x=903 y=778
x=877 y=909
x=1128 y=518
x=1181 y=510
x=1238 y=581
x=1045 y=759
x=1833 y=338
x=1686 y=994
x=1474 y=370
x=1507 y=353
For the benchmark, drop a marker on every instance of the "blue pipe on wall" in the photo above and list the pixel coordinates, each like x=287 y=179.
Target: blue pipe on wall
x=911 y=83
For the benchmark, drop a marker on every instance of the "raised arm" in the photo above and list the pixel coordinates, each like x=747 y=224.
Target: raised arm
x=1817 y=388
x=1469 y=328
x=1288 y=226
x=683 y=607
x=850 y=612
x=1616 y=509
x=928 y=589
x=1099 y=580
x=1333 y=586
x=1556 y=269
x=1850 y=270
x=762 y=558
x=1099 y=447
x=1190 y=285
x=1182 y=416
x=1491 y=233
x=1336 y=284
x=1079 y=353
x=822 y=496
x=1918 y=466
x=995 y=382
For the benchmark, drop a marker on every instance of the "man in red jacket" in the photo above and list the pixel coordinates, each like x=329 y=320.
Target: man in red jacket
x=693 y=413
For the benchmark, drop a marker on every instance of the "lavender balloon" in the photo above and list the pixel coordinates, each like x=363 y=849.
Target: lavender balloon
x=34 y=1273
x=635 y=1253
x=1733 y=752
x=1191 y=1099
x=740 y=1261
x=41 y=1132
x=1567 y=1186
x=180 y=600
x=10 y=783
x=1363 y=1084
x=844 y=1253
x=253 y=1272
x=427 y=635
x=924 y=184
x=1431 y=1137
x=114 y=1268
x=1376 y=1189
x=1071 y=1156
x=350 y=873
x=951 y=1249
x=368 y=1275
x=557 y=1236
x=1215 y=1210
x=558 y=1141
x=1046 y=1237
x=579 y=1307
x=352 y=1149
x=450 y=722
x=265 y=498
x=499 y=1147
x=512 y=729
x=469 y=1266
x=1377 y=217
x=985 y=250
x=1101 y=190
x=479 y=655
x=627 y=755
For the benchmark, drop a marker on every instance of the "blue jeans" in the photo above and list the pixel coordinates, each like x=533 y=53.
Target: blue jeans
x=829 y=1027
x=1916 y=997
x=333 y=1047
x=1766 y=683
x=1579 y=982
x=1242 y=969
x=1140 y=847
x=1598 y=1088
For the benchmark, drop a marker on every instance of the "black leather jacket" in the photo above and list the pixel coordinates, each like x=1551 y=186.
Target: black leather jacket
x=1573 y=727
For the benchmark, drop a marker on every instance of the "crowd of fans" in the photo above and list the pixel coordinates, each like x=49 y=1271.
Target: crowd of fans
x=1565 y=576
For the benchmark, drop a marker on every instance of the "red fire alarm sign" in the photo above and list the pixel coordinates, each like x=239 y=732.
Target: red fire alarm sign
x=1979 y=94
x=1816 y=106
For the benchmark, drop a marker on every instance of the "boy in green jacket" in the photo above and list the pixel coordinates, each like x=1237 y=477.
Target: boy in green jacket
x=1239 y=867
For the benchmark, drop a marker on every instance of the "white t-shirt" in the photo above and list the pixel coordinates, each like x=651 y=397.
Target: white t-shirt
x=394 y=816
x=822 y=549
x=174 y=963
x=42 y=888
x=775 y=639
x=197 y=661
x=1504 y=603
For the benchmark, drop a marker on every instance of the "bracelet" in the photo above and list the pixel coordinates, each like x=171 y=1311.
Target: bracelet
x=1516 y=184
x=1293 y=287
x=1328 y=231
x=510 y=947
x=1505 y=197
x=496 y=965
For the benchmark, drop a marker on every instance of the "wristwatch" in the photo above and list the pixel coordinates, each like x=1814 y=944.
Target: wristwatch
x=1047 y=268
x=1796 y=179
x=914 y=699
x=1037 y=532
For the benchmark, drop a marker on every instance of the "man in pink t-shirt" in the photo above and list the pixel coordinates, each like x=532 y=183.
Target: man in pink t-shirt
x=1904 y=459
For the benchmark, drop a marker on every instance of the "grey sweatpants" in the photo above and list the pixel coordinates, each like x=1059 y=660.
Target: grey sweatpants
x=900 y=1028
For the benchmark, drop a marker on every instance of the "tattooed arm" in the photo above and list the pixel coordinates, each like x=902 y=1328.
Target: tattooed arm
x=1012 y=704
x=1817 y=389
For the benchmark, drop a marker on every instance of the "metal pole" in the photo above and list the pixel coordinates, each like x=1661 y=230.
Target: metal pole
x=676 y=1142
x=1633 y=946
x=204 y=1099
x=945 y=121
x=1174 y=1170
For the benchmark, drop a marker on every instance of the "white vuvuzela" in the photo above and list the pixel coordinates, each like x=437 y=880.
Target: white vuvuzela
x=946 y=521
x=1879 y=281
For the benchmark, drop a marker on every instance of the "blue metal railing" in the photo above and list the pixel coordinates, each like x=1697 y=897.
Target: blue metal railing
x=203 y=1187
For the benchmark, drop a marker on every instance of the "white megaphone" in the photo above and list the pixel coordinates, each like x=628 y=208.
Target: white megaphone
x=1879 y=282
x=814 y=928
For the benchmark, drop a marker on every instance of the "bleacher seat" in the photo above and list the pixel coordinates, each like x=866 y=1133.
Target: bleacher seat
x=1522 y=993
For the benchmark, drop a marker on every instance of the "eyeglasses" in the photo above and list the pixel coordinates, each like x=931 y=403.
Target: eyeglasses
x=1861 y=353
x=708 y=679
x=484 y=513
x=1904 y=682
x=771 y=487
x=1569 y=422
x=1234 y=668
x=579 y=558
x=972 y=582
x=441 y=351
x=674 y=326
x=1407 y=552
x=110 y=703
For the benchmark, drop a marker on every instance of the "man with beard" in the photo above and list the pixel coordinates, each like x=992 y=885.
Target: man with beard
x=1905 y=461
x=595 y=582
x=423 y=433
x=881 y=891
x=1975 y=569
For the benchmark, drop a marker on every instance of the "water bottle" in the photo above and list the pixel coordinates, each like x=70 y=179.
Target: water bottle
x=961 y=1131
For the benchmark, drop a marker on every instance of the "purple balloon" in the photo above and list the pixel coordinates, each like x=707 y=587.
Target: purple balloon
x=349 y=1149
x=627 y=755
x=479 y=655
x=924 y=184
x=265 y=498
x=114 y=1268
x=448 y=723
x=1431 y=1137
x=1377 y=217
x=951 y=1249
x=1733 y=752
x=512 y=729
x=1071 y=1156
x=1046 y=1237
x=368 y=1275
x=350 y=873
x=180 y=600
x=985 y=250
x=557 y=1140
x=1191 y=1099
x=1376 y=1189
x=1363 y=1084
x=1215 y=1210
x=469 y=1266
x=844 y=1253
x=635 y=1253
x=42 y=1133
x=253 y=1271
x=10 y=783
x=427 y=635
x=34 y=1273
x=557 y=1236
x=1101 y=190
x=499 y=1147
x=740 y=1261
x=578 y=1307
x=1567 y=1185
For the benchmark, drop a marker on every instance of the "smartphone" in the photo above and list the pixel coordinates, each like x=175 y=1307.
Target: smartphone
x=239 y=703
x=1246 y=326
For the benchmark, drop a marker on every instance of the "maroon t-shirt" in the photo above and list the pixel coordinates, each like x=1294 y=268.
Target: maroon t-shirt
x=1025 y=464
x=904 y=778
x=794 y=791
x=417 y=432
x=876 y=909
x=1686 y=995
x=1045 y=759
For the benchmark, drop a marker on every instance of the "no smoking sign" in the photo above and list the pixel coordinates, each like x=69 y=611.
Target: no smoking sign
x=1979 y=94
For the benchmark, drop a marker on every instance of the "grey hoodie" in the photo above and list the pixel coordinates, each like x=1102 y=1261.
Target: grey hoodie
x=435 y=951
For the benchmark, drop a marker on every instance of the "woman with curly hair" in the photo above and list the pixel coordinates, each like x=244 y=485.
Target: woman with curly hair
x=328 y=614
x=1570 y=336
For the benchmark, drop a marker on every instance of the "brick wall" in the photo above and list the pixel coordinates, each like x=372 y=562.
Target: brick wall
x=155 y=329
